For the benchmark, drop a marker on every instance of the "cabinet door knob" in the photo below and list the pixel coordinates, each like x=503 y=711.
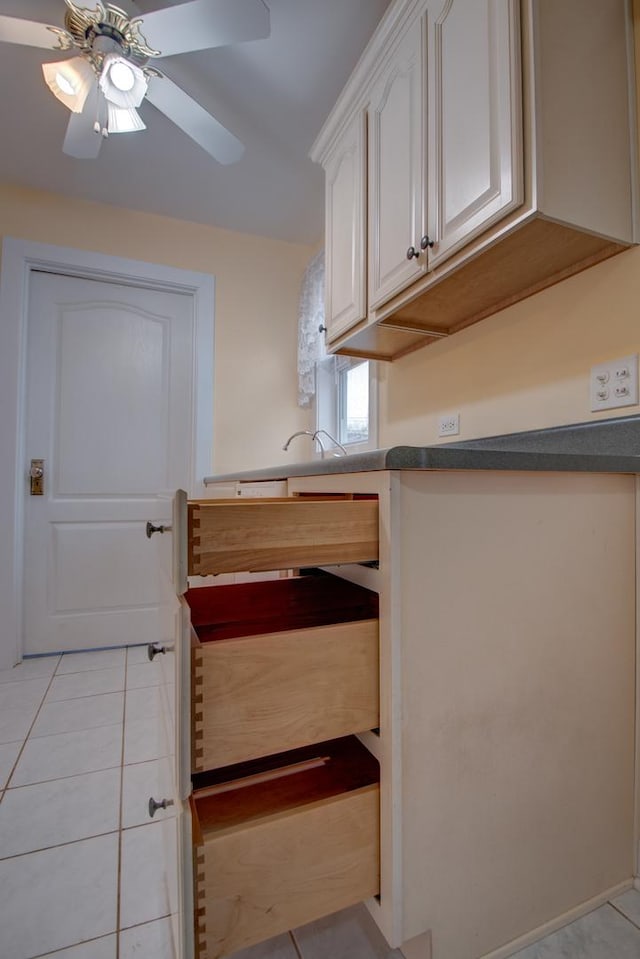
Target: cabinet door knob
x=151 y=529
x=153 y=649
x=424 y=243
x=155 y=806
x=322 y=328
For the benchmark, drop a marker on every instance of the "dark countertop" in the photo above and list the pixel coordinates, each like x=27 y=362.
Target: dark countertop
x=602 y=446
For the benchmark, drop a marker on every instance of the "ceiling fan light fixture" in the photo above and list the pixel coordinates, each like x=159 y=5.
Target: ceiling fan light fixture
x=122 y=76
x=123 y=83
x=70 y=81
x=123 y=119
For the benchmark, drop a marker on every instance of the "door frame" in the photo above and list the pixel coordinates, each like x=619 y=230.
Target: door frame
x=19 y=259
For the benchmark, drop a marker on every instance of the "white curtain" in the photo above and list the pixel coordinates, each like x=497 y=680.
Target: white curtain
x=310 y=340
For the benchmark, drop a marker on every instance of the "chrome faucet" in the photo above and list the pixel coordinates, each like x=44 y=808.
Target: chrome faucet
x=301 y=433
x=333 y=440
x=315 y=437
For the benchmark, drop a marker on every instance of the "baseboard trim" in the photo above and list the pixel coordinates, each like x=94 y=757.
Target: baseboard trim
x=548 y=927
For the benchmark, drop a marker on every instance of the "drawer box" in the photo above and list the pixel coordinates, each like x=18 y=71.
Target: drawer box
x=279 y=665
x=226 y=536
x=283 y=843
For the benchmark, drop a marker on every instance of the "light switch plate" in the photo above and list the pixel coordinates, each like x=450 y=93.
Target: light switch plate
x=614 y=384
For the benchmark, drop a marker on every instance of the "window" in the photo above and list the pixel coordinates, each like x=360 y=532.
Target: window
x=353 y=402
x=346 y=401
x=345 y=389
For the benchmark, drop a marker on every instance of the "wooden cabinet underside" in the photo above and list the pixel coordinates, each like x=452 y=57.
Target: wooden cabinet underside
x=535 y=255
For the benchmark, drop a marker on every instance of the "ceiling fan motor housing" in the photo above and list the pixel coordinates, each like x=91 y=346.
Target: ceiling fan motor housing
x=105 y=29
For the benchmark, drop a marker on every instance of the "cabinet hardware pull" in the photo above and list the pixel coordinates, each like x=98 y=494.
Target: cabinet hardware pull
x=154 y=806
x=424 y=243
x=153 y=649
x=322 y=328
x=151 y=529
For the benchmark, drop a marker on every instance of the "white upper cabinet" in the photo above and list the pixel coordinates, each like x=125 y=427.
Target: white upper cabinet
x=501 y=159
x=345 y=229
x=475 y=168
x=397 y=169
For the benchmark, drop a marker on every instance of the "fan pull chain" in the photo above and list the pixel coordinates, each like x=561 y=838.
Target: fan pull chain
x=101 y=124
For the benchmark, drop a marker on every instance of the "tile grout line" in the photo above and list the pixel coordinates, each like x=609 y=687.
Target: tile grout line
x=120 y=820
x=297 y=948
x=86 y=772
x=58 y=845
x=623 y=914
x=24 y=741
x=58 y=952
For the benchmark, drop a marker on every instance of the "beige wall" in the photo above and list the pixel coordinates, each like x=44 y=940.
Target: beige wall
x=524 y=368
x=257 y=289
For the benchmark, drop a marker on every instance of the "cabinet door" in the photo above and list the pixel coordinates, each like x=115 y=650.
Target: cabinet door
x=346 y=275
x=397 y=169
x=475 y=118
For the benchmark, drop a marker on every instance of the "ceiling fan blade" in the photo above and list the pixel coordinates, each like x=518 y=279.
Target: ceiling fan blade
x=183 y=110
x=201 y=24
x=27 y=32
x=81 y=141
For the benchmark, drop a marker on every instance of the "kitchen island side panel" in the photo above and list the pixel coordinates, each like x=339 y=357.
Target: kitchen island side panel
x=518 y=660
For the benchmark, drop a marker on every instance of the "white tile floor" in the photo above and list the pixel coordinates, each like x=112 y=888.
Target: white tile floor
x=79 y=856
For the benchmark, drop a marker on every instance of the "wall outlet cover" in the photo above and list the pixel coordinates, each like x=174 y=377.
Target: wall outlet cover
x=449 y=424
x=614 y=384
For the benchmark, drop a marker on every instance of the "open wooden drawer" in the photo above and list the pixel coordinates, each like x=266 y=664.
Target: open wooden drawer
x=281 y=842
x=227 y=536
x=280 y=664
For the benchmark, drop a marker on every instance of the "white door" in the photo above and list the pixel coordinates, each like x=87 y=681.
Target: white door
x=109 y=410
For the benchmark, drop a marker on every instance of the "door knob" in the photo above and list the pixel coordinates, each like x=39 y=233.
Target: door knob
x=151 y=529
x=153 y=649
x=155 y=806
x=36 y=478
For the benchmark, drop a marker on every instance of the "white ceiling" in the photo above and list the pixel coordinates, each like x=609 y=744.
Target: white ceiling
x=273 y=94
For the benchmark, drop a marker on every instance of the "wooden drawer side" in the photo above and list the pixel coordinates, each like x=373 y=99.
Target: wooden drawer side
x=288 y=870
x=259 y=535
x=199 y=905
x=259 y=695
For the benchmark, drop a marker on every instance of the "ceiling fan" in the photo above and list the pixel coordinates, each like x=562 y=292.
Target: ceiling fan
x=112 y=72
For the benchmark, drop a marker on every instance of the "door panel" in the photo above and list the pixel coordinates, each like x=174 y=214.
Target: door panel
x=129 y=408
x=397 y=171
x=475 y=119
x=346 y=231
x=109 y=409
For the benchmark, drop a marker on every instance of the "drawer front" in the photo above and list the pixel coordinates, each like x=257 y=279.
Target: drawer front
x=259 y=695
x=230 y=536
x=271 y=876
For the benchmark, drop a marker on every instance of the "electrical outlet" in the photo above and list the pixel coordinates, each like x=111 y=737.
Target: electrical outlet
x=449 y=425
x=614 y=384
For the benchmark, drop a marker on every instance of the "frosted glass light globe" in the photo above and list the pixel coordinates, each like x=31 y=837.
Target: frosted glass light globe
x=65 y=85
x=122 y=76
